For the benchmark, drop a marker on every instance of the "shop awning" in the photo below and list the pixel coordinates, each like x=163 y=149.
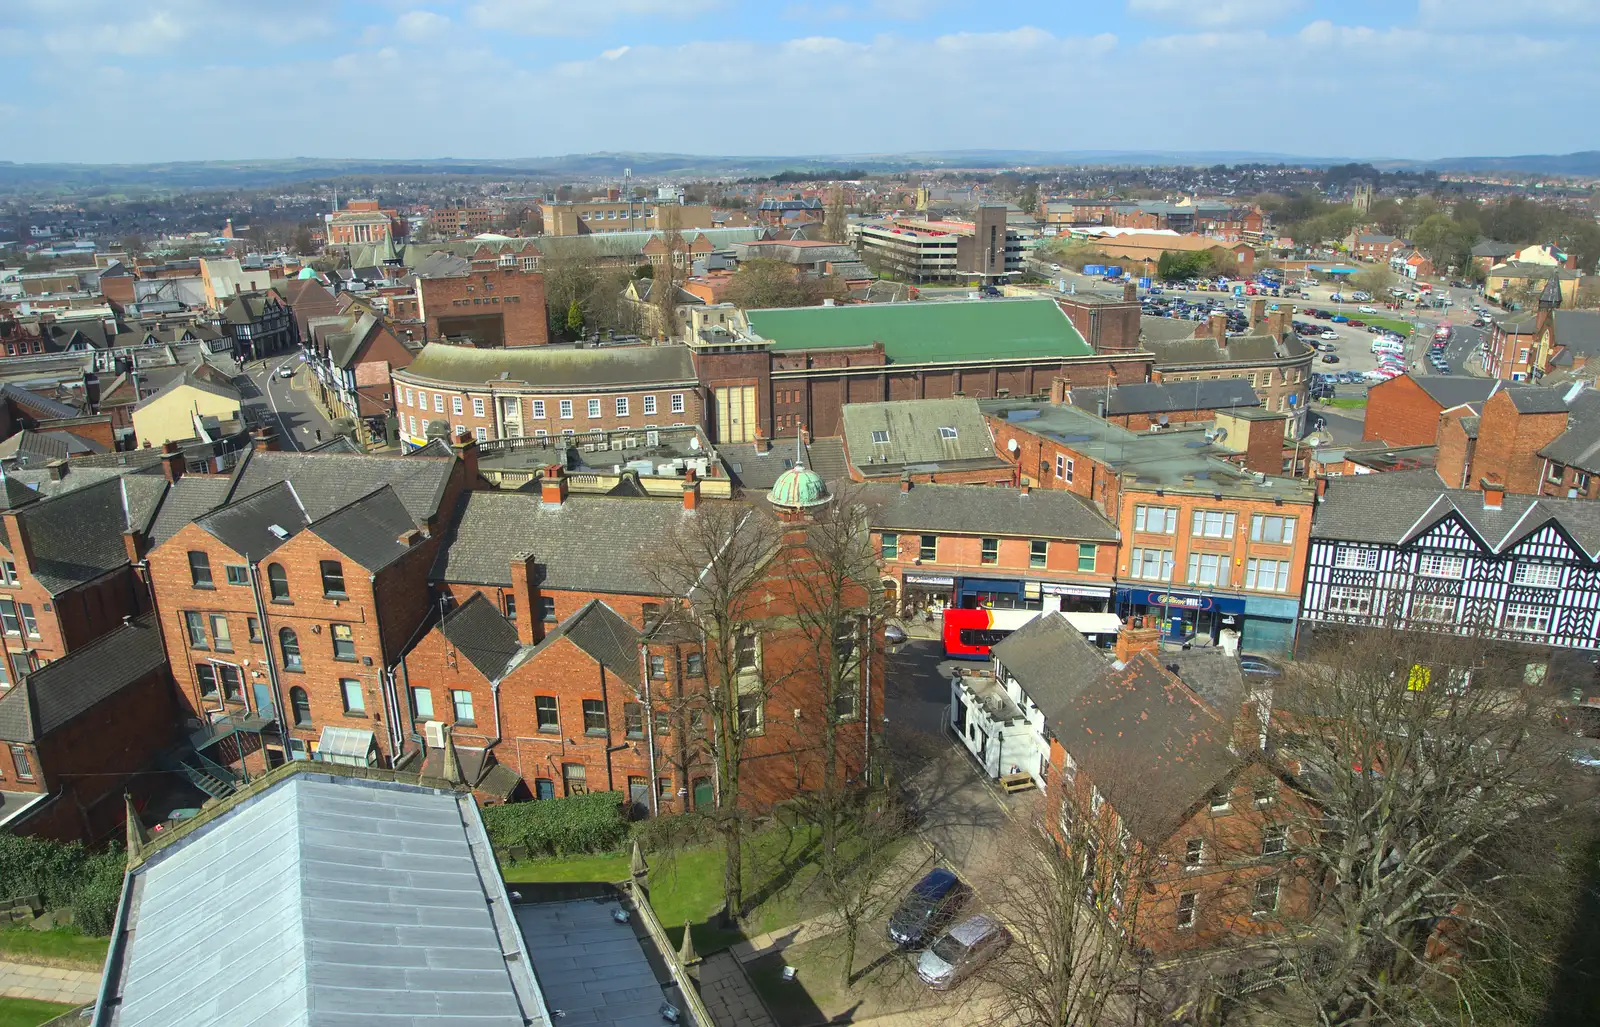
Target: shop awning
x=1094 y=623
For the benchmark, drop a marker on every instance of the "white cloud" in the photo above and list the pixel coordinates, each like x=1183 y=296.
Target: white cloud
x=615 y=53
x=881 y=10
x=164 y=27
x=1214 y=13
x=1459 y=14
x=421 y=25
x=568 y=18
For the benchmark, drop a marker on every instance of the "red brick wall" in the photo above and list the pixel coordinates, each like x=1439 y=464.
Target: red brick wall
x=1454 y=461
x=1509 y=444
x=421 y=407
x=509 y=296
x=1400 y=413
x=73 y=618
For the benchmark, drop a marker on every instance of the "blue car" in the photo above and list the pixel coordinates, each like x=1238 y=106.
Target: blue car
x=1339 y=319
x=928 y=907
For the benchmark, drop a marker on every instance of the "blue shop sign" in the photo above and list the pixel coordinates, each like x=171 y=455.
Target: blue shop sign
x=1181 y=600
x=989 y=585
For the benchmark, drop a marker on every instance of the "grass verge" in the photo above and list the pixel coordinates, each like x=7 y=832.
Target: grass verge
x=1400 y=328
x=61 y=946
x=26 y=1012
x=1348 y=404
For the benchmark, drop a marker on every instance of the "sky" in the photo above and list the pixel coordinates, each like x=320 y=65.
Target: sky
x=104 y=81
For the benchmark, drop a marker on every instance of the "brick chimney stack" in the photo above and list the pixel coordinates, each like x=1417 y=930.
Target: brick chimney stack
x=523 y=576
x=1219 y=327
x=691 y=490
x=553 y=486
x=1494 y=493
x=1258 y=314
x=171 y=461
x=1138 y=635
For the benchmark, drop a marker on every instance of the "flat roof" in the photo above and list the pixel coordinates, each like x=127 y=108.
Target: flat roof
x=591 y=967
x=918 y=332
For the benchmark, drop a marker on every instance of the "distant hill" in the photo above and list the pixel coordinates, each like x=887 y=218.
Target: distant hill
x=245 y=174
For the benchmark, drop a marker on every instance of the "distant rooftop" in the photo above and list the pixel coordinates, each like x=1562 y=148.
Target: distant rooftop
x=915 y=333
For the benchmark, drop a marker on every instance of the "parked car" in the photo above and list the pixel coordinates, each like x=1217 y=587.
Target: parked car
x=960 y=950
x=1368 y=310
x=1330 y=335
x=1258 y=666
x=1330 y=358
x=1339 y=319
x=930 y=904
x=1353 y=323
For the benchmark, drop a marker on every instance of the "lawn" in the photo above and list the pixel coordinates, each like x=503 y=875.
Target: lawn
x=1351 y=403
x=687 y=888
x=1400 y=328
x=62 y=946
x=885 y=982
x=25 y=1012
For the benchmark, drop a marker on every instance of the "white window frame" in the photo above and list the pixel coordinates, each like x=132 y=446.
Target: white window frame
x=677 y=403
x=649 y=406
x=438 y=402
x=1527 y=618
x=1343 y=599
x=1355 y=558
x=481 y=433
x=1441 y=565
x=594 y=409
x=1202 y=526
x=1431 y=609
x=566 y=410
x=1142 y=556
x=1280 y=573
x=1146 y=519
x=1260 y=523
x=538 y=409
x=455 y=406
x=1218 y=578
x=1185 y=915
x=1537 y=575
x=622 y=406
x=477 y=406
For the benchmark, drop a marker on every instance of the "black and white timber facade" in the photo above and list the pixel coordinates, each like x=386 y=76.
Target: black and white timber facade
x=1392 y=550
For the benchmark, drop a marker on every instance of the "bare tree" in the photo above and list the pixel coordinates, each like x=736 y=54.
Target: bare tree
x=672 y=272
x=1430 y=765
x=1071 y=890
x=711 y=568
x=834 y=218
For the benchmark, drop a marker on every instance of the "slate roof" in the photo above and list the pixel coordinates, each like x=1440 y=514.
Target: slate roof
x=1053 y=663
x=1578 y=330
x=1579 y=445
x=247 y=525
x=1453 y=390
x=202 y=377
x=1212 y=673
x=189 y=497
x=604 y=976
x=363 y=901
x=915 y=436
x=481 y=633
x=1167 y=397
x=753 y=470
x=588 y=543
x=39 y=406
x=77 y=536
x=369 y=529
x=559 y=366
x=65 y=689
x=984 y=510
x=927 y=332
x=600 y=632
x=329 y=481
x=1394 y=509
x=1150 y=744
x=1241 y=349
x=42 y=447
x=1490 y=248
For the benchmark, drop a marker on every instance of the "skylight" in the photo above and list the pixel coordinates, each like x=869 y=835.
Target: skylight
x=947 y=434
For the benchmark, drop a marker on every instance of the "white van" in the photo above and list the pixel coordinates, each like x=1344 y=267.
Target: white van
x=1388 y=346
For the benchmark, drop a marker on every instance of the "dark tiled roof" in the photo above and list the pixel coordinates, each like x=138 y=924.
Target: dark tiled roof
x=259 y=523
x=588 y=543
x=36 y=404
x=328 y=481
x=1169 y=397
x=77 y=536
x=1453 y=390
x=1151 y=745
x=1395 y=508
x=14 y=494
x=985 y=510
x=1213 y=674
x=754 y=471
x=1053 y=663
x=602 y=633
x=1579 y=445
x=369 y=529
x=60 y=691
x=189 y=497
x=481 y=633
x=1578 y=330
x=1537 y=400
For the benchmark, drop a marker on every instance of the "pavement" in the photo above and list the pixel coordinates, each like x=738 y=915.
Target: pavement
x=285 y=403
x=48 y=983
x=728 y=994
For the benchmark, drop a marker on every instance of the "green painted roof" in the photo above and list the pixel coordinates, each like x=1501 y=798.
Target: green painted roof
x=928 y=331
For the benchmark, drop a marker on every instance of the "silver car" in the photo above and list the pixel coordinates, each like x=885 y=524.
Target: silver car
x=961 y=950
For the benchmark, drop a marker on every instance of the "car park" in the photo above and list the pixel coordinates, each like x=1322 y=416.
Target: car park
x=1330 y=358
x=956 y=953
x=1368 y=310
x=1339 y=319
x=930 y=904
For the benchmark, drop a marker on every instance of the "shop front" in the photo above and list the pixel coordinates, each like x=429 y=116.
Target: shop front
x=1185 y=616
x=1000 y=594
x=1269 y=625
x=926 y=594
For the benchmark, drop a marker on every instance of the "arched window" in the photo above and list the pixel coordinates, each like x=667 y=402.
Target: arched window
x=290 y=646
x=301 y=705
x=278 y=582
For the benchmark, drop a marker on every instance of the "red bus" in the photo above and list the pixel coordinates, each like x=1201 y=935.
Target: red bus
x=969 y=634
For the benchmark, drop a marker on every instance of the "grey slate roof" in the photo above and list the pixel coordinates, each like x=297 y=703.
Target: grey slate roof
x=1578 y=330
x=600 y=632
x=77 y=536
x=328 y=481
x=1212 y=673
x=984 y=510
x=1395 y=508
x=1241 y=349
x=554 y=366
x=1537 y=400
x=753 y=470
x=61 y=691
x=1453 y=390
x=588 y=543
x=1168 y=397
x=481 y=633
x=1490 y=248
x=189 y=497
x=355 y=902
x=1579 y=445
x=1052 y=662
x=247 y=525
x=603 y=976
x=913 y=428
x=369 y=529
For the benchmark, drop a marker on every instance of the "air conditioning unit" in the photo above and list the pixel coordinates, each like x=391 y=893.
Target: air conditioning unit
x=433 y=732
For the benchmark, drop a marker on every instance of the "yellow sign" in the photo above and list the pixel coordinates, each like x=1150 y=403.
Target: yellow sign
x=1419 y=677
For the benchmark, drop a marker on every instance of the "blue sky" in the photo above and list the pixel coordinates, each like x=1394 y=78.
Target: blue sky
x=108 y=80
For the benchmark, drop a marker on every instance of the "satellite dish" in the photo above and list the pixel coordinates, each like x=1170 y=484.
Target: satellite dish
x=1011 y=444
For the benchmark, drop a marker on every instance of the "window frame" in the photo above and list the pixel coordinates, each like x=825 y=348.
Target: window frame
x=346 y=644
x=1038 y=554
x=632 y=720
x=1259 y=524
x=200 y=569
x=1548 y=570
x=1356 y=558
x=889 y=545
x=299 y=702
x=540 y=708
x=595 y=723
x=622 y=406
x=236 y=573
x=335 y=575
x=1531 y=618
x=274 y=580
x=1187 y=909
x=417 y=713
x=347 y=688
x=989 y=552
x=593 y=408
x=1440 y=565
x=288 y=637
x=456 y=701
x=928 y=548
x=1349 y=601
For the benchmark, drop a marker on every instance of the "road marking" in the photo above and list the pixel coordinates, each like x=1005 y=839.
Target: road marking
x=283 y=425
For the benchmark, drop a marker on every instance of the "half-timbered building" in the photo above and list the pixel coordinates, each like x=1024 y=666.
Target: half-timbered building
x=1402 y=551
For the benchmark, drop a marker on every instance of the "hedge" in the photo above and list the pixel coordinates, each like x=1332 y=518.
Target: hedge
x=64 y=875
x=559 y=827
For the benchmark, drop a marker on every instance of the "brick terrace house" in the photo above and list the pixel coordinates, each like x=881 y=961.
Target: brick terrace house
x=1154 y=766
x=352 y=357
x=268 y=587
x=77 y=734
x=1405 y=410
x=575 y=684
x=1212 y=535
x=66 y=568
x=1000 y=548
x=1510 y=352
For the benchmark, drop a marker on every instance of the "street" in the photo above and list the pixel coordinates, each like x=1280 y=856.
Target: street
x=282 y=403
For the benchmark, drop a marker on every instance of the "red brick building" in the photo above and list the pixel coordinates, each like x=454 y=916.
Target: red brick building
x=79 y=733
x=269 y=595
x=496 y=304
x=1405 y=410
